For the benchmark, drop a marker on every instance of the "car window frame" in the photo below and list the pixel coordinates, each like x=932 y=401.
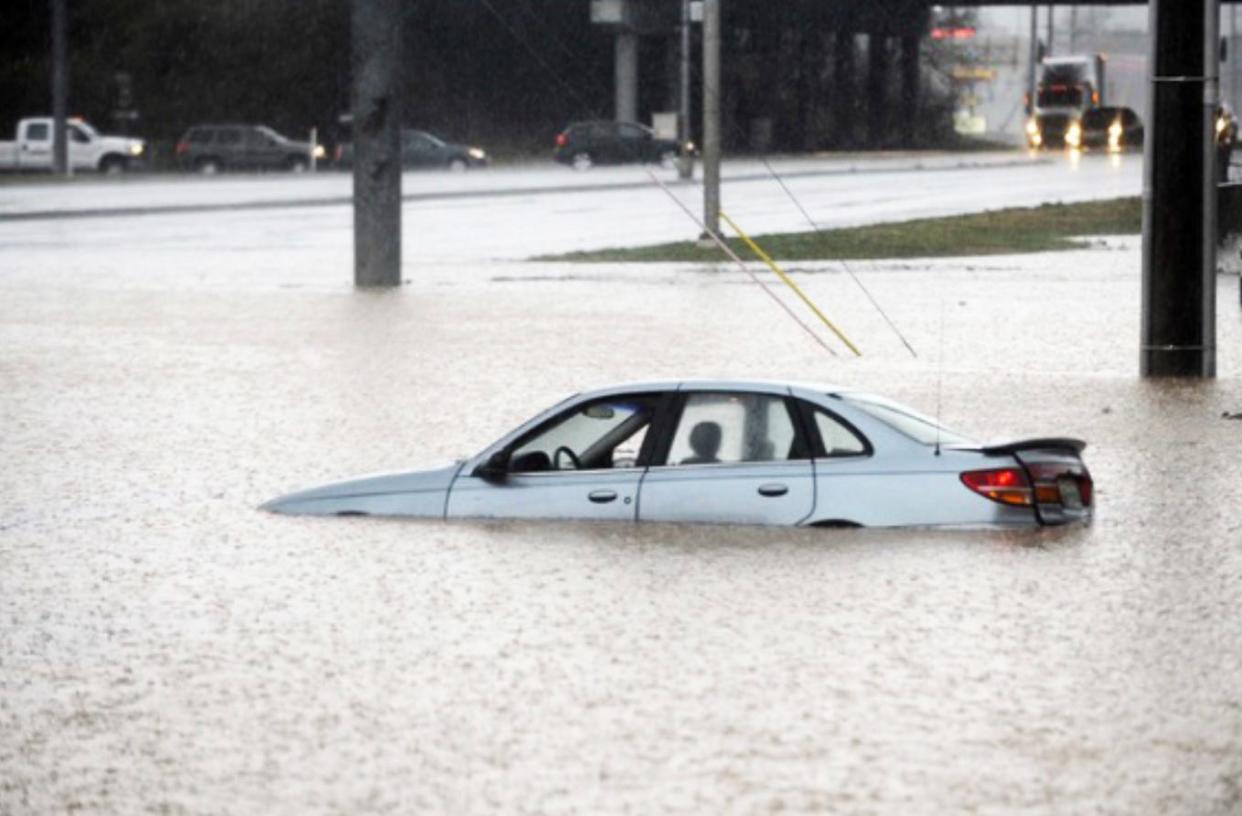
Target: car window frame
x=806 y=415
x=661 y=399
x=660 y=452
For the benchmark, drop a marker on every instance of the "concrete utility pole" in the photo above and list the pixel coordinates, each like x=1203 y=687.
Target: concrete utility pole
x=685 y=162
x=1179 y=191
x=60 y=86
x=1052 y=16
x=376 y=61
x=711 y=117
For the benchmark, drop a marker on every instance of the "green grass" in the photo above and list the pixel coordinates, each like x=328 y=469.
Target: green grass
x=1035 y=229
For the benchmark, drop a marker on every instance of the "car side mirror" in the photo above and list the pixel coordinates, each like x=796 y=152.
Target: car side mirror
x=495 y=469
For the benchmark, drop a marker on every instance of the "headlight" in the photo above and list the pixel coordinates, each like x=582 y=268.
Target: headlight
x=136 y=148
x=476 y=153
x=318 y=151
x=1032 y=127
x=1115 y=130
x=1073 y=135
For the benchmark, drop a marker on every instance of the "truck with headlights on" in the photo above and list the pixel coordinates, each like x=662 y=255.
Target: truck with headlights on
x=32 y=150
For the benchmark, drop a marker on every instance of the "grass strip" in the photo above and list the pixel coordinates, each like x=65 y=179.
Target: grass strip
x=1046 y=228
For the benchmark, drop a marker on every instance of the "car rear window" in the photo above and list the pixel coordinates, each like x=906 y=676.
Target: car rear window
x=922 y=429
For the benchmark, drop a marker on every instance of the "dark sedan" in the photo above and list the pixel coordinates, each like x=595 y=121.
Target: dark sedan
x=583 y=144
x=420 y=149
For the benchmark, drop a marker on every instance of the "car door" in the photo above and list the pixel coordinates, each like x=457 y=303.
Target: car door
x=732 y=456
x=634 y=144
x=582 y=463
x=417 y=150
x=35 y=145
x=230 y=144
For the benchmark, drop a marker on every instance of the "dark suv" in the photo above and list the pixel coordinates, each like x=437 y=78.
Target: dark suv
x=212 y=148
x=583 y=144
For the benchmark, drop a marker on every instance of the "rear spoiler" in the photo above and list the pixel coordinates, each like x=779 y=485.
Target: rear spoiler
x=1044 y=443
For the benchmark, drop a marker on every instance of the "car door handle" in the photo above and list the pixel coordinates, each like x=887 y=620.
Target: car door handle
x=773 y=489
x=602 y=496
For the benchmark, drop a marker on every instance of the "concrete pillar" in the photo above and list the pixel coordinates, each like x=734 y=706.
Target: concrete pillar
x=845 y=82
x=60 y=86
x=1179 y=202
x=909 y=87
x=625 y=75
x=376 y=63
x=877 y=90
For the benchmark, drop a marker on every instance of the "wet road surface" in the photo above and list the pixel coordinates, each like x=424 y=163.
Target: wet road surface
x=167 y=648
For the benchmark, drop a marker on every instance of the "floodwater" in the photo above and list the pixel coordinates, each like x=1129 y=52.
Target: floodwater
x=164 y=647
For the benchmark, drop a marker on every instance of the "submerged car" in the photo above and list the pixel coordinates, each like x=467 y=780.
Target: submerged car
x=743 y=452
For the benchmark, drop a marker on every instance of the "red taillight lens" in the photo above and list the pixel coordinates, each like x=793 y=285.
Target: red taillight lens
x=337 y=153
x=1004 y=485
x=182 y=147
x=561 y=140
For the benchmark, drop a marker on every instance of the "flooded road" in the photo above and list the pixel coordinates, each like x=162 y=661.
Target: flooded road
x=167 y=648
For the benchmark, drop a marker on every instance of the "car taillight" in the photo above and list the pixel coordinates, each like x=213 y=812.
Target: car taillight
x=1004 y=485
x=182 y=147
x=336 y=154
x=561 y=140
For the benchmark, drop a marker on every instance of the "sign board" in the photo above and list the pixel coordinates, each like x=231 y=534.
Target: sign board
x=608 y=11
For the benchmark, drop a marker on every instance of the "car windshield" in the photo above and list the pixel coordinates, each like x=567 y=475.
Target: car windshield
x=415 y=136
x=919 y=427
x=271 y=134
x=86 y=129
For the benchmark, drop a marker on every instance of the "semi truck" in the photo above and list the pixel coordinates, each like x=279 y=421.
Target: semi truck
x=1067 y=87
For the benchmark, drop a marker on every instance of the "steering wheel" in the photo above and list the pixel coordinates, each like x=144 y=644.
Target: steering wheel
x=573 y=458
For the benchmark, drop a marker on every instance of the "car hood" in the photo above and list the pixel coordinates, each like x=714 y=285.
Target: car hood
x=366 y=494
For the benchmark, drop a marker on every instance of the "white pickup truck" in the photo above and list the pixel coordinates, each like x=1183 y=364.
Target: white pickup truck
x=87 y=149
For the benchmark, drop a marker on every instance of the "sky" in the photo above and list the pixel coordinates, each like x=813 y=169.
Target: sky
x=1016 y=20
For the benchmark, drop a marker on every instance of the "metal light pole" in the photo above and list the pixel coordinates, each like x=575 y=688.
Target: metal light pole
x=60 y=86
x=685 y=162
x=711 y=117
x=1032 y=58
x=1179 y=192
x=376 y=59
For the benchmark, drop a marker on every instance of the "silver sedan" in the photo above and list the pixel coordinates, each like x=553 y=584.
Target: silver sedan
x=733 y=452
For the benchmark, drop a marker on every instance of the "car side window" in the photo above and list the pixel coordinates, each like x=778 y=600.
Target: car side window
x=37 y=132
x=228 y=136
x=729 y=428
x=200 y=136
x=631 y=132
x=838 y=439
x=605 y=433
x=417 y=141
x=78 y=135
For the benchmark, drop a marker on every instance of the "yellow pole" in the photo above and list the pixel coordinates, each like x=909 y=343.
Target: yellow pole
x=767 y=259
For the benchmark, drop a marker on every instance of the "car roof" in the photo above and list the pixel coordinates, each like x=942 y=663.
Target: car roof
x=705 y=384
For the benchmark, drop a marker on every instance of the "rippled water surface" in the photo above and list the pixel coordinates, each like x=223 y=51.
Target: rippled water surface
x=165 y=647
